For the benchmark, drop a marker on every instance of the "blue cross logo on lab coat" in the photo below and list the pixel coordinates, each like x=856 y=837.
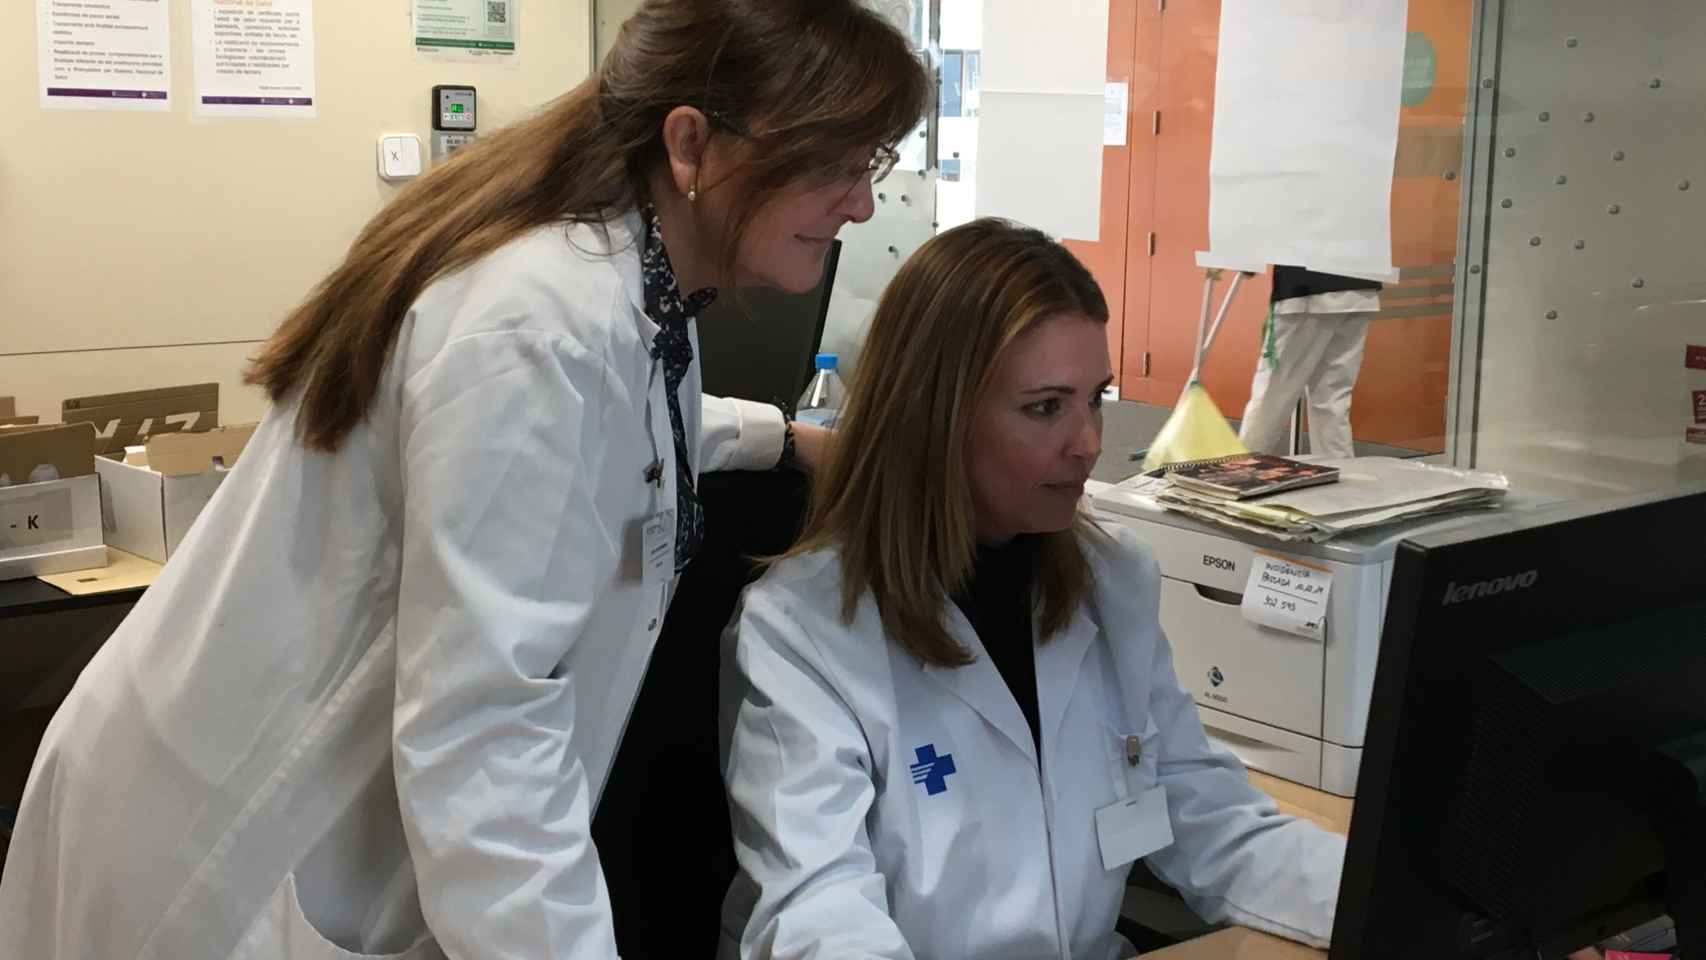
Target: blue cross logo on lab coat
x=931 y=770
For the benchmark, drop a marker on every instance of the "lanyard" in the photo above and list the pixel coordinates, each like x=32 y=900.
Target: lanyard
x=654 y=471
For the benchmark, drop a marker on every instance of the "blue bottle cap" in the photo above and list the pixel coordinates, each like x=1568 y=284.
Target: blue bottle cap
x=826 y=361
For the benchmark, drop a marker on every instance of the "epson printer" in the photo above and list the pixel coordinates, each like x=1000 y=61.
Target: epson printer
x=1283 y=704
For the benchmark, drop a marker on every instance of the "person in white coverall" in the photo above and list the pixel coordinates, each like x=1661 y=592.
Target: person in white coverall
x=1312 y=349
x=368 y=707
x=951 y=719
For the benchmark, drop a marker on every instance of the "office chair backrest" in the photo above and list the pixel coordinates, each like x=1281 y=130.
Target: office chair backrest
x=756 y=343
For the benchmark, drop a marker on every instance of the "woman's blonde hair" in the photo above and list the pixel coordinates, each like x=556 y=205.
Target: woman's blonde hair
x=894 y=495
x=807 y=83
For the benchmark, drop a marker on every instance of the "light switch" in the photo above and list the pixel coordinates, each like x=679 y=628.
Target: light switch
x=399 y=156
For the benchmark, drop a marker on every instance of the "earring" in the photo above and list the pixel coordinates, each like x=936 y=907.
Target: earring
x=693 y=194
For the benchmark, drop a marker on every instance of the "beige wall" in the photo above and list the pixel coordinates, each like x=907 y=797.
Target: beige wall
x=610 y=15
x=152 y=249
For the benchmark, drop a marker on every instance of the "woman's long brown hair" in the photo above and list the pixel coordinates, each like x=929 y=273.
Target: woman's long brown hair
x=894 y=496
x=808 y=82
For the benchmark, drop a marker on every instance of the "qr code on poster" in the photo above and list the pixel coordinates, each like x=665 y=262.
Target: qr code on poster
x=497 y=11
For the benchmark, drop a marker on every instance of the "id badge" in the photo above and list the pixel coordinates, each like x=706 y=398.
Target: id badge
x=657 y=547
x=1133 y=828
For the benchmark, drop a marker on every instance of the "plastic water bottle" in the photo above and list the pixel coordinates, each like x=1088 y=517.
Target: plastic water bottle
x=821 y=403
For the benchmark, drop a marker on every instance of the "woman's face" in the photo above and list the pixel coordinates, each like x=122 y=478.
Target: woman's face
x=1037 y=434
x=785 y=244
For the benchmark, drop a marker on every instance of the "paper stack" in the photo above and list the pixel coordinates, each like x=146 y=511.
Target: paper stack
x=1371 y=492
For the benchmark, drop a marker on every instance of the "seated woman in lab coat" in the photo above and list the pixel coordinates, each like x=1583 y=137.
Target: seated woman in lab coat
x=951 y=719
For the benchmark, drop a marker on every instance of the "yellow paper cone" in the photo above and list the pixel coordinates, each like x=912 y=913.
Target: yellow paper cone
x=1197 y=430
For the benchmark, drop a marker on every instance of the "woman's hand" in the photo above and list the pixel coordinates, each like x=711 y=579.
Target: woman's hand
x=811 y=446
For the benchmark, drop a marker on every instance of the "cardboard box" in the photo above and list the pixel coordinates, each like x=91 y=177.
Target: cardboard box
x=8 y=407
x=150 y=505
x=50 y=501
x=33 y=454
x=126 y=419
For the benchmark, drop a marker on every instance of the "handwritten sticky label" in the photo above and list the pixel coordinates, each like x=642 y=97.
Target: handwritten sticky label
x=1696 y=357
x=1288 y=595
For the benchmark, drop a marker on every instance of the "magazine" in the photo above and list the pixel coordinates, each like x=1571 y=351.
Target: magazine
x=1249 y=475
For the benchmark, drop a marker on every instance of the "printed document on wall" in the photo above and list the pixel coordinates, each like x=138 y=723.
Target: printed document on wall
x=104 y=54
x=466 y=29
x=1039 y=161
x=1058 y=47
x=254 y=58
x=1114 y=117
x=1301 y=170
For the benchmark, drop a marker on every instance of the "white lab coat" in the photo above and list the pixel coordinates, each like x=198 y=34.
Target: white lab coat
x=843 y=854
x=1317 y=356
x=370 y=704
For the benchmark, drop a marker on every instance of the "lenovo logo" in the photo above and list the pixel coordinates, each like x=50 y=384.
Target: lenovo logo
x=1489 y=588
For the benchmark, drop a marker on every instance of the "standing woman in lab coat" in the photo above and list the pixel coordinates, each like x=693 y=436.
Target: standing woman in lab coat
x=368 y=707
x=952 y=722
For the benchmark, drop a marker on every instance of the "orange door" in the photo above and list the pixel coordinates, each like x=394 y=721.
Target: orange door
x=1106 y=256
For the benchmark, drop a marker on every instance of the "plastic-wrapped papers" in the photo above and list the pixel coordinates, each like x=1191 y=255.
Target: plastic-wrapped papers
x=1371 y=492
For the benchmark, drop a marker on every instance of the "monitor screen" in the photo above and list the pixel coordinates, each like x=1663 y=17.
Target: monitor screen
x=1535 y=775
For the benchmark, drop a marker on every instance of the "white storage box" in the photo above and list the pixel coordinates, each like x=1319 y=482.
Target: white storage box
x=51 y=527
x=151 y=503
x=50 y=501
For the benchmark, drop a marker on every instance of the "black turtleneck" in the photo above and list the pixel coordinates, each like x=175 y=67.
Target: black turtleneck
x=998 y=602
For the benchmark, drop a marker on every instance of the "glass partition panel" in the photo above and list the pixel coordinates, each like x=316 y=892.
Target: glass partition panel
x=1584 y=337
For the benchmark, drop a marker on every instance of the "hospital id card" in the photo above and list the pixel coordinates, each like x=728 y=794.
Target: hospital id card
x=1133 y=828
x=657 y=547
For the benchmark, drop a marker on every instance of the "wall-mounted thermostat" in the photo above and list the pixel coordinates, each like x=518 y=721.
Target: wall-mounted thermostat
x=453 y=119
x=399 y=156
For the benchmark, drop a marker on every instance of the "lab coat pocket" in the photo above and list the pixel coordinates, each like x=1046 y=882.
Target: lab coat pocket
x=283 y=932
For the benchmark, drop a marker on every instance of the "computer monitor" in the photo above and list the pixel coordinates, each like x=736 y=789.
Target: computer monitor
x=757 y=343
x=1534 y=776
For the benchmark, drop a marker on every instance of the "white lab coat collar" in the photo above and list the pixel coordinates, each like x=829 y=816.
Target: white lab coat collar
x=1113 y=602
x=626 y=243
x=618 y=243
x=1059 y=662
x=982 y=687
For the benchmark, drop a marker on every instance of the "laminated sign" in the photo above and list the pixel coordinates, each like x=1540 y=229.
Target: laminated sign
x=35 y=520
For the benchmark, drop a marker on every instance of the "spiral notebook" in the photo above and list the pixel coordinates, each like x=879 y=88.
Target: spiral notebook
x=1246 y=475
